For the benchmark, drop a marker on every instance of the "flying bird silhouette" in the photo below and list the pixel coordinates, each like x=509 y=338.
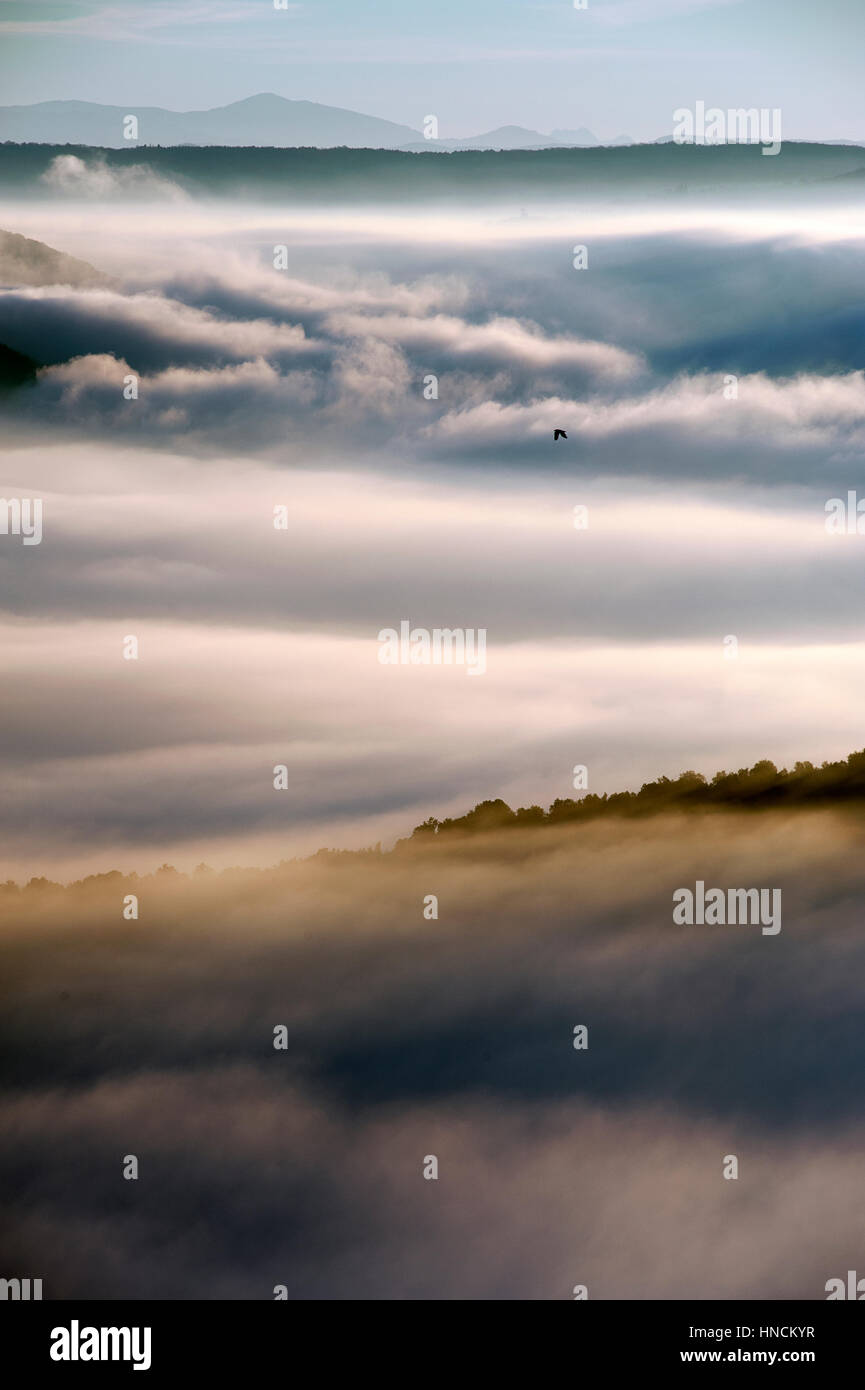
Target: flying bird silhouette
x=559 y=434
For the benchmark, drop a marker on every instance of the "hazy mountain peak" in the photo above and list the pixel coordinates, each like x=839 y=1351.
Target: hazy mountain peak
x=505 y=137
x=265 y=101
x=26 y=262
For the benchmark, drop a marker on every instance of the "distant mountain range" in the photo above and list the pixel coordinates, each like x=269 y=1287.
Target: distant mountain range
x=266 y=120
x=259 y=120
x=269 y=121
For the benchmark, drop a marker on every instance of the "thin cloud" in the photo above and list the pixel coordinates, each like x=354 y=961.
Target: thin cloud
x=128 y=23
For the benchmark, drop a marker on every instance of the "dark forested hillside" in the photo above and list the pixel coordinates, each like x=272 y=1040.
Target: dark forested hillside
x=466 y=175
x=760 y=786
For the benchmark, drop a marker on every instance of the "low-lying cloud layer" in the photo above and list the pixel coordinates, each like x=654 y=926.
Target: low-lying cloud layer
x=394 y=397
x=634 y=354
x=452 y=1037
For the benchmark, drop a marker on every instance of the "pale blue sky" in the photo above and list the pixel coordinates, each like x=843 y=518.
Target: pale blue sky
x=618 y=66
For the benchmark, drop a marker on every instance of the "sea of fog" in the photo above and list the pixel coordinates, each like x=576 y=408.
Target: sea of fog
x=388 y=382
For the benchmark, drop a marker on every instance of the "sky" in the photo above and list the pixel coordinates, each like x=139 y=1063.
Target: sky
x=617 y=67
